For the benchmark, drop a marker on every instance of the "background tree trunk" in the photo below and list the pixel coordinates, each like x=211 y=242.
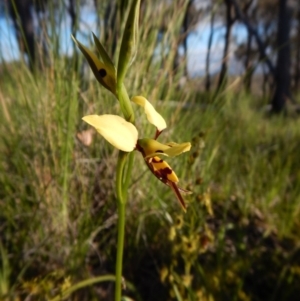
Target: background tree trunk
x=282 y=76
x=21 y=14
x=261 y=46
x=72 y=9
x=210 y=40
x=249 y=68
x=186 y=26
x=229 y=22
x=297 y=59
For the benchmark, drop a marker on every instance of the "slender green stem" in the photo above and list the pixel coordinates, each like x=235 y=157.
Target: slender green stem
x=119 y=177
x=122 y=181
x=127 y=175
x=121 y=223
x=120 y=248
x=125 y=103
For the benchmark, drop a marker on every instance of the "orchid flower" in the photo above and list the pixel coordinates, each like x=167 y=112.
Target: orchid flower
x=124 y=136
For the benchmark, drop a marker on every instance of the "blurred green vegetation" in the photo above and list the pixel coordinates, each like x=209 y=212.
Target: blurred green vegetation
x=239 y=239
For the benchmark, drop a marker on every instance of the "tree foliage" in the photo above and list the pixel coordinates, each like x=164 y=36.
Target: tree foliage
x=269 y=51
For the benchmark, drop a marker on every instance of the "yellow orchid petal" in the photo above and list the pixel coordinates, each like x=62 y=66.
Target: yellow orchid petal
x=152 y=115
x=151 y=148
x=116 y=130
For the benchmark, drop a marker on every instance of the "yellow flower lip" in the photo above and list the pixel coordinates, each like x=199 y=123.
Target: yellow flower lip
x=116 y=130
x=152 y=115
x=165 y=174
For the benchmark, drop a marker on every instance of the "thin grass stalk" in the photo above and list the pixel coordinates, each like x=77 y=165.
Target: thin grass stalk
x=71 y=113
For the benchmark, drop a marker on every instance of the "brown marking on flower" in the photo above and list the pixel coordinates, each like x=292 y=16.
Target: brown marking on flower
x=166 y=171
x=102 y=72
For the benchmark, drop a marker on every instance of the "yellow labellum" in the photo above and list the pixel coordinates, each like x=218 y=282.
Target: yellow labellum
x=152 y=115
x=116 y=130
x=159 y=166
x=164 y=173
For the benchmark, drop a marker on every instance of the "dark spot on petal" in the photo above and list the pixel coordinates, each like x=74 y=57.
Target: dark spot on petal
x=158 y=160
x=159 y=151
x=166 y=171
x=102 y=72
